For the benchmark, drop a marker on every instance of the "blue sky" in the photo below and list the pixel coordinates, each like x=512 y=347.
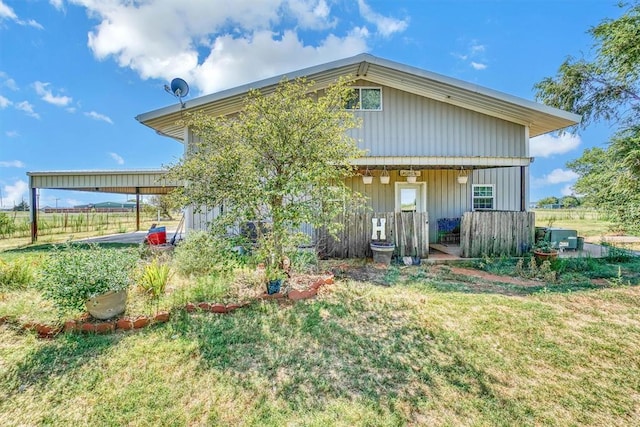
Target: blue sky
x=75 y=73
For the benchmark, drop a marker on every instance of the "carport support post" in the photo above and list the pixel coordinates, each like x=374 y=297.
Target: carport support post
x=137 y=209
x=34 y=212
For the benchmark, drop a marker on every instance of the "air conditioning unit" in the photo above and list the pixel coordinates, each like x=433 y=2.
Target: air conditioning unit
x=561 y=238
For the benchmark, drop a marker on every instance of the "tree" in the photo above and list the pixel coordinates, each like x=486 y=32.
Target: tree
x=281 y=162
x=165 y=203
x=22 y=206
x=569 y=202
x=607 y=88
x=608 y=182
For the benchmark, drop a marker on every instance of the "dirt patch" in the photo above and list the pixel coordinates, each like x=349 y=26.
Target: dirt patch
x=483 y=275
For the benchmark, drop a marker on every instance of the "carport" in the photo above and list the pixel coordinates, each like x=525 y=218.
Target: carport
x=133 y=182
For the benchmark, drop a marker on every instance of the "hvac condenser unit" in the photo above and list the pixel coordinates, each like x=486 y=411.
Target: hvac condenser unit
x=561 y=238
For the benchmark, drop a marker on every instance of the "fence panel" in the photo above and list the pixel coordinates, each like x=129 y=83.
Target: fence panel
x=496 y=233
x=409 y=231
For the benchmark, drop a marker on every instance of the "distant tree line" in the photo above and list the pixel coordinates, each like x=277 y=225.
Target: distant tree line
x=566 y=202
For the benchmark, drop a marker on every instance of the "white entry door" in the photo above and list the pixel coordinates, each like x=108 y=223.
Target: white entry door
x=411 y=197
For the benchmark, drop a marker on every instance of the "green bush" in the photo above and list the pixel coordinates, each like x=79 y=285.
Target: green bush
x=202 y=253
x=154 y=278
x=15 y=275
x=72 y=274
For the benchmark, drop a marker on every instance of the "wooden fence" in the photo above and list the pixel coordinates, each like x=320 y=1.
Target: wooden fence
x=496 y=233
x=409 y=231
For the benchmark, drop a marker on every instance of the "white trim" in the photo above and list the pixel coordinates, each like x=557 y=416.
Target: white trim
x=441 y=161
x=422 y=188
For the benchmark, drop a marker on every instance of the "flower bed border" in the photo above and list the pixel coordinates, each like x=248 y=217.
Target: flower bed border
x=88 y=325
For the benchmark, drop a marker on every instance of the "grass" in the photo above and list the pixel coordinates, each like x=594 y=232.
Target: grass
x=422 y=347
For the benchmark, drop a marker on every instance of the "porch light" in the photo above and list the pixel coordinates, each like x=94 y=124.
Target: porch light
x=367 y=178
x=462 y=176
x=384 y=177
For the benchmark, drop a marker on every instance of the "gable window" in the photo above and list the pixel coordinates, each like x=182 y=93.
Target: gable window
x=483 y=197
x=366 y=99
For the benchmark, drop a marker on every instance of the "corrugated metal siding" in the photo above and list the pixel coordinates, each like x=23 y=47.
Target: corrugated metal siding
x=446 y=198
x=411 y=125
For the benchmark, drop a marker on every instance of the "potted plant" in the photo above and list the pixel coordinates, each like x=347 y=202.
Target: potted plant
x=543 y=250
x=275 y=279
x=88 y=277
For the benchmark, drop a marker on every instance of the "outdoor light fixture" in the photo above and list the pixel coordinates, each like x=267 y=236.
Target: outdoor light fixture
x=384 y=177
x=367 y=178
x=462 y=176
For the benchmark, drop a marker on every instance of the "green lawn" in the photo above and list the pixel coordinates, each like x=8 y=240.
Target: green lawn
x=424 y=346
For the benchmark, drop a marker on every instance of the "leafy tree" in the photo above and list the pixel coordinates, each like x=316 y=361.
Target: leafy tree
x=551 y=200
x=22 y=206
x=281 y=161
x=606 y=87
x=609 y=179
x=165 y=203
x=569 y=202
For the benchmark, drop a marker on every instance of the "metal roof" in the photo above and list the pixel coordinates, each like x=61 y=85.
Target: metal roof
x=151 y=181
x=540 y=118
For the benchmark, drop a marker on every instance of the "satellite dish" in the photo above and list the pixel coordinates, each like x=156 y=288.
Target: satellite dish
x=179 y=88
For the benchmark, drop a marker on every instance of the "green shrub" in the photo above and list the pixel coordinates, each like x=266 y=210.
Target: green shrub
x=15 y=275
x=72 y=274
x=154 y=278
x=202 y=253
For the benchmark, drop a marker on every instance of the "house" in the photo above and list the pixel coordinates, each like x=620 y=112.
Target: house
x=456 y=156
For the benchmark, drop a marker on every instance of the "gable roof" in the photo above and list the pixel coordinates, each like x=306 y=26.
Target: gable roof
x=540 y=118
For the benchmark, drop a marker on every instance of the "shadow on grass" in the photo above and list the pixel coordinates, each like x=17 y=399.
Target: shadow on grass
x=309 y=354
x=56 y=358
x=47 y=247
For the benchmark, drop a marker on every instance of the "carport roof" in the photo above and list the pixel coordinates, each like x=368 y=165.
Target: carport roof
x=150 y=181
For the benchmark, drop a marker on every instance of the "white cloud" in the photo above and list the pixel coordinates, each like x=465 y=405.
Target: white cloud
x=115 y=156
x=7 y=12
x=98 y=116
x=558 y=176
x=8 y=81
x=235 y=61
x=11 y=164
x=386 y=26
x=547 y=145
x=47 y=95
x=473 y=53
x=12 y=133
x=215 y=47
x=26 y=107
x=4 y=102
x=14 y=194
x=312 y=14
x=567 y=190
x=477 y=48
x=58 y=4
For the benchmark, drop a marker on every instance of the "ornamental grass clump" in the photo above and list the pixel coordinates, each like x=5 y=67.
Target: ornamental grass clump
x=75 y=273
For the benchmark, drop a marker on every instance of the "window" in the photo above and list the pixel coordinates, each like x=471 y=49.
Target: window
x=366 y=99
x=483 y=197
